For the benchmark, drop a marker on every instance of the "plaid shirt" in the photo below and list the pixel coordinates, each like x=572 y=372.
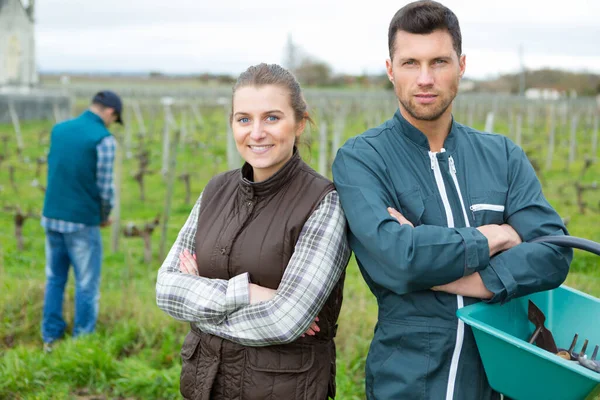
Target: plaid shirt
x=222 y=307
x=104 y=178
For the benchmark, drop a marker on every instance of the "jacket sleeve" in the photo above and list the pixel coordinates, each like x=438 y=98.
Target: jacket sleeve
x=528 y=267
x=398 y=258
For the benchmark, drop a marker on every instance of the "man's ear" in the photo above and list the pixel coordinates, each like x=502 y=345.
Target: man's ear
x=389 y=70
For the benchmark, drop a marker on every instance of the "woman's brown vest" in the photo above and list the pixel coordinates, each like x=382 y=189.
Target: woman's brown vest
x=253 y=227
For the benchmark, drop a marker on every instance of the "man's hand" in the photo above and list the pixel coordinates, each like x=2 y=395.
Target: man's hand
x=399 y=217
x=106 y=223
x=500 y=237
x=470 y=286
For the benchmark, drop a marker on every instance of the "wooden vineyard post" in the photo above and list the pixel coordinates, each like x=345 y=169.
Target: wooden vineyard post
x=489 y=122
x=142 y=132
x=169 y=195
x=168 y=124
x=183 y=126
x=56 y=113
x=564 y=123
x=572 y=140
x=594 y=155
x=531 y=120
x=185 y=176
x=17 y=127
x=551 y=136
x=338 y=130
x=128 y=134
x=323 y=148
x=581 y=187
x=143 y=162
x=165 y=143
x=519 y=130
x=139 y=117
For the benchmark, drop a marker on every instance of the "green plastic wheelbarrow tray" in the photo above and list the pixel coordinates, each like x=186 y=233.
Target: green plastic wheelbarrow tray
x=523 y=371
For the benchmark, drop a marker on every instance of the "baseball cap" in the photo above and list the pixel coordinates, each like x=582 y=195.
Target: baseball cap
x=112 y=100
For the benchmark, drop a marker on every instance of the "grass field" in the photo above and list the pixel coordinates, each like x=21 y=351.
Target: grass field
x=135 y=352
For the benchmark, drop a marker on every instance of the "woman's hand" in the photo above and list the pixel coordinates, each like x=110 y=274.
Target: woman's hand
x=259 y=293
x=187 y=263
x=313 y=328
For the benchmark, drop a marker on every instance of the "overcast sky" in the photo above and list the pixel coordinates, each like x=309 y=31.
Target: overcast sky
x=226 y=36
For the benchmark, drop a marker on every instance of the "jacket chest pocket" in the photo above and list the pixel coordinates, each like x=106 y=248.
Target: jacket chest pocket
x=488 y=207
x=419 y=209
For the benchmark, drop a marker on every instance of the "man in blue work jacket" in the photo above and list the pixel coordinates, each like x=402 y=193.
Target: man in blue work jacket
x=439 y=217
x=78 y=201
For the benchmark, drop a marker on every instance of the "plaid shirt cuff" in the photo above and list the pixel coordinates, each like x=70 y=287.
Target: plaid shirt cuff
x=238 y=292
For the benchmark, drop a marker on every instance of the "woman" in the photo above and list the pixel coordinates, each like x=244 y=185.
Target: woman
x=258 y=268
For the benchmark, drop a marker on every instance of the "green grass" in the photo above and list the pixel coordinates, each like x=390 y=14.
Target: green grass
x=135 y=351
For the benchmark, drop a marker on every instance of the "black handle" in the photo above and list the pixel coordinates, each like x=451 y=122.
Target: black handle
x=570 y=241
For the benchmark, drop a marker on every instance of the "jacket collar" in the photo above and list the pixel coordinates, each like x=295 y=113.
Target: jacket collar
x=405 y=128
x=274 y=183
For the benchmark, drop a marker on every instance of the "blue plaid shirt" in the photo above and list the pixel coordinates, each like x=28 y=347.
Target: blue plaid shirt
x=104 y=177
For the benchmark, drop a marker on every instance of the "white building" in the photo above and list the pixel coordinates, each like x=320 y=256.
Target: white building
x=543 y=94
x=19 y=89
x=17 y=45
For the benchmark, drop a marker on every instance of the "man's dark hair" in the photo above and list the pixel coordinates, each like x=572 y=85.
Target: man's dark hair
x=423 y=17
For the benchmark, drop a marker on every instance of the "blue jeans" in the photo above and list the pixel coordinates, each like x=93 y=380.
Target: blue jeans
x=83 y=250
